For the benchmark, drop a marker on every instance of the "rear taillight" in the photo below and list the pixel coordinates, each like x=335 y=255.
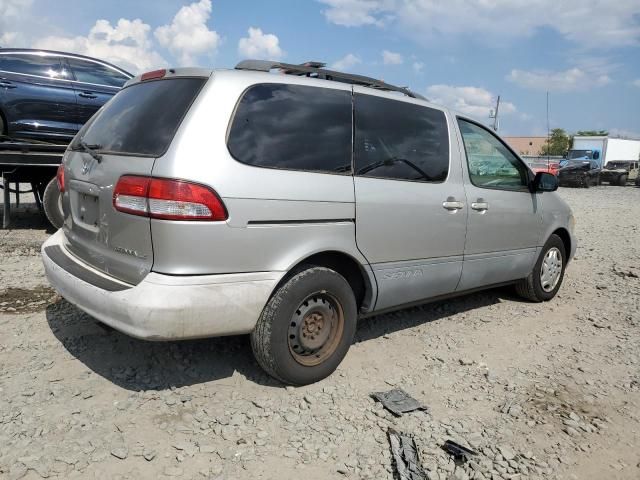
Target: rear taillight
x=167 y=199
x=60 y=177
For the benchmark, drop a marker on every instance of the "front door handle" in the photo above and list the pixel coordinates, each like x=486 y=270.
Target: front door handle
x=452 y=204
x=87 y=95
x=481 y=206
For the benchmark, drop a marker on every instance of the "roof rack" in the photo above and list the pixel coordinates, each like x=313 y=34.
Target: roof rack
x=316 y=70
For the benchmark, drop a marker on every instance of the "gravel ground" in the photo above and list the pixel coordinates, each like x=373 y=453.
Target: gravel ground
x=539 y=390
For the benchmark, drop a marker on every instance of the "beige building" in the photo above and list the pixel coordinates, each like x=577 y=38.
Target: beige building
x=527 y=145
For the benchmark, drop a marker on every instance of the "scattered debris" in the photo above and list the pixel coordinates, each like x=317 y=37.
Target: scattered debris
x=398 y=401
x=458 y=451
x=405 y=457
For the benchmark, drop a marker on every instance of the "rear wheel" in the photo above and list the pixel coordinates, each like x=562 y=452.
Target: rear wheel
x=544 y=281
x=307 y=327
x=586 y=181
x=52 y=204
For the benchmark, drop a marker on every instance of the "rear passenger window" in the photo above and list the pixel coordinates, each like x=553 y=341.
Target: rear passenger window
x=93 y=72
x=293 y=127
x=400 y=140
x=40 y=65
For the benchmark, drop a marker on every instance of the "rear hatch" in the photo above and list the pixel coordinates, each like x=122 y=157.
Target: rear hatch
x=124 y=138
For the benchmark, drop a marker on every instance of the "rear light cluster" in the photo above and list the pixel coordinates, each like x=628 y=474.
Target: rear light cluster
x=60 y=177
x=167 y=199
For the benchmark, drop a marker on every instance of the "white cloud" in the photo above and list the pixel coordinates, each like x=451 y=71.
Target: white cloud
x=588 y=23
x=391 y=58
x=573 y=79
x=622 y=133
x=188 y=35
x=260 y=45
x=473 y=101
x=418 y=67
x=347 y=62
x=636 y=83
x=12 y=11
x=127 y=44
x=355 y=13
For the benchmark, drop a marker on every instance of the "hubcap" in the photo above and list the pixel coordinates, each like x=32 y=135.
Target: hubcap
x=316 y=329
x=551 y=269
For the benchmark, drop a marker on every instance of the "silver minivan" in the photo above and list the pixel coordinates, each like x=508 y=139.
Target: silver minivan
x=286 y=201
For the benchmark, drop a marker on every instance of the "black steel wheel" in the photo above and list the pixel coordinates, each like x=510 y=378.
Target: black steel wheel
x=306 y=327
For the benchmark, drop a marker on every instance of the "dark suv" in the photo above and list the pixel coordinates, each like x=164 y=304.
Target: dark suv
x=49 y=95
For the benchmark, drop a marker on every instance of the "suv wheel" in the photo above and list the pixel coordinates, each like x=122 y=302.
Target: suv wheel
x=307 y=327
x=622 y=180
x=544 y=281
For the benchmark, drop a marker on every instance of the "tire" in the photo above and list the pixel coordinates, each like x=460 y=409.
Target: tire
x=622 y=180
x=305 y=304
x=52 y=204
x=2 y=126
x=586 y=181
x=532 y=288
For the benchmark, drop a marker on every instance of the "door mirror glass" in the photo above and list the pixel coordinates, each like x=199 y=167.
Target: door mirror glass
x=545 y=182
x=596 y=155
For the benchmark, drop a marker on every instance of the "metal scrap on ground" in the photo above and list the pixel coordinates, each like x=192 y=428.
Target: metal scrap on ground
x=458 y=451
x=405 y=457
x=398 y=401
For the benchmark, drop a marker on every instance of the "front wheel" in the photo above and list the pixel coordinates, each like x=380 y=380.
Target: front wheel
x=307 y=327
x=622 y=180
x=544 y=281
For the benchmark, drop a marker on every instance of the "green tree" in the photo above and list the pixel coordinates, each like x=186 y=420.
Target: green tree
x=592 y=133
x=557 y=144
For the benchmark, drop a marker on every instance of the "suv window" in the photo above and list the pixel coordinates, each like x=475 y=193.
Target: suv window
x=400 y=140
x=40 y=65
x=293 y=127
x=491 y=163
x=93 y=72
x=136 y=121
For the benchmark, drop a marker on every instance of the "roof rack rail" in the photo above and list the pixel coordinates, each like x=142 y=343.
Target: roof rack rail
x=316 y=70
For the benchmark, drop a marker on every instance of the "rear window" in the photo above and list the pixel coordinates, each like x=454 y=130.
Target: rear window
x=293 y=127
x=143 y=118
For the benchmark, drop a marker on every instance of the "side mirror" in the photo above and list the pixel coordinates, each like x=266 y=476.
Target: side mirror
x=596 y=155
x=544 y=182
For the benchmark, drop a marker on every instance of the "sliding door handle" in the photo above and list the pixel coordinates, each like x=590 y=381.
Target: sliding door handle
x=480 y=206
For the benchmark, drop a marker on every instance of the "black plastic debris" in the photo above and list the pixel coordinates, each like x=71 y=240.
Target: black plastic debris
x=405 y=457
x=398 y=401
x=460 y=453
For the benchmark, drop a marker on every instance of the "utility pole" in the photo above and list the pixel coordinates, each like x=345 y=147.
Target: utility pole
x=494 y=114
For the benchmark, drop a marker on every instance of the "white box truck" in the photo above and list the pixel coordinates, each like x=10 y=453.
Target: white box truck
x=617 y=157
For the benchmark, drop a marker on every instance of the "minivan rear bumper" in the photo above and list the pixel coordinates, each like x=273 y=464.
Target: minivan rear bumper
x=161 y=307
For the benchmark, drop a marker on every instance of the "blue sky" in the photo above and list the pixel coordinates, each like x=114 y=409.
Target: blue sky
x=462 y=53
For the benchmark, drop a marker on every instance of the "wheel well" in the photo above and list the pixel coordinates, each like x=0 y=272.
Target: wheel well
x=345 y=265
x=566 y=239
x=4 y=122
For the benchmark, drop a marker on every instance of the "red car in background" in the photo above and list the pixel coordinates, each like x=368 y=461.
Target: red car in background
x=549 y=166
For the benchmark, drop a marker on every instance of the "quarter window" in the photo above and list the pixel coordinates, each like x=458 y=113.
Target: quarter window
x=400 y=140
x=40 y=65
x=491 y=163
x=93 y=72
x=293 y=127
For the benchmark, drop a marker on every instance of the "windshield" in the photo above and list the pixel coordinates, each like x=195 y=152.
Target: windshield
x=588 y=154
x=567 y=163
x=141 y=119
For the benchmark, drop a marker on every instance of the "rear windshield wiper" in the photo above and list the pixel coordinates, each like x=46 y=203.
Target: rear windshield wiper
x=90 y=149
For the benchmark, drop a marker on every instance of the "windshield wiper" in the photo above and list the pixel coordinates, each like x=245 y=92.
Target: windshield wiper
x=392 y=160
x=90 y=149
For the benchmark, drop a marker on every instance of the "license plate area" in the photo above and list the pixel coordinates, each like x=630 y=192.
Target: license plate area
x=85 y=204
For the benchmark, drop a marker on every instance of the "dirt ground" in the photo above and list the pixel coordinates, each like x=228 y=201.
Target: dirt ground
x=538 y=390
